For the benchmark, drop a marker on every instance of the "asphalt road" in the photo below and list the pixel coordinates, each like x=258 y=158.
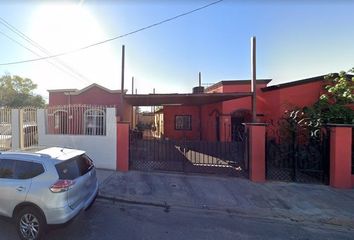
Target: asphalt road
x=107 y=220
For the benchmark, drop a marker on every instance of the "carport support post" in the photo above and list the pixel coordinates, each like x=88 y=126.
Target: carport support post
x=123 y=146
x=257 y=151
x=341 y=156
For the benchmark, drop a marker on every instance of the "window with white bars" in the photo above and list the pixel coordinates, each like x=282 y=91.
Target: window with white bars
x=95 y=122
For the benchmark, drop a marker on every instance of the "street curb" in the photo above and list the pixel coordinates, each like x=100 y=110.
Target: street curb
x=344 y=222
x=122 y=200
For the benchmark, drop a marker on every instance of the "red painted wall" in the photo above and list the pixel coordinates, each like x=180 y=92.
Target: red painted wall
x=279 y=100
x=209 y=115
x=203 y=118
x=341 y=157
x=270 y=106
x=93 y=96
x=170 y=113
x=229 y=107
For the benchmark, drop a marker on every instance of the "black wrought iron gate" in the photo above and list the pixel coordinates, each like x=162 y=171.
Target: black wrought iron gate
x=193 y=156
x=298 y=150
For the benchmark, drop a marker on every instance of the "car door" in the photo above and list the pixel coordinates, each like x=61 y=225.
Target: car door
x=14 y=185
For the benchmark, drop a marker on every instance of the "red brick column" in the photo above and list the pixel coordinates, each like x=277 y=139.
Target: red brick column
x=340 y=156
x=257 y=151
x=122 y=146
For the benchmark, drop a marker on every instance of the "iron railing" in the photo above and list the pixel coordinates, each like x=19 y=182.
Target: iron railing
x=76 y=120
x=5 y=129
x=195 y=156
x=297 y=150
x=29 y=123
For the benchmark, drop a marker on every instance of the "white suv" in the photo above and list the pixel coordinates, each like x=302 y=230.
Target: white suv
x=47 y=187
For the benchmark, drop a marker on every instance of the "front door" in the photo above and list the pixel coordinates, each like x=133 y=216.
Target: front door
x=237 y=129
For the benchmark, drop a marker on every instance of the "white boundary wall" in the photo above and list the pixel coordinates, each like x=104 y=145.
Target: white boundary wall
x=101 y=149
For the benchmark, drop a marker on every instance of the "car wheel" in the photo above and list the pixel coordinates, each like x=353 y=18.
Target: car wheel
x=30 y=224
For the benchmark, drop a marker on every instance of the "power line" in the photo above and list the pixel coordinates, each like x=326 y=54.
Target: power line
x=35 y=53
x=62 y=65
x=114 y=38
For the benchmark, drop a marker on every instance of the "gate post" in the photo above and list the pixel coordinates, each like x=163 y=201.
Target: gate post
x=122 y=146
x=15 y=129
x=257 y=151
x=340 y=155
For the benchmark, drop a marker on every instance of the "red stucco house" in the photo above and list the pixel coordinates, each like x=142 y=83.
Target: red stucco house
x=73 y=111
x=91 y=95
x=214 y=114
x=223 y=121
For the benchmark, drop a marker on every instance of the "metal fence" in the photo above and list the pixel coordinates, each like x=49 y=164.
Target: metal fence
x=297 y=150
x=29 y=133
x=352 y=151
x=5 y=129
x=76 y=120
x=192 y=156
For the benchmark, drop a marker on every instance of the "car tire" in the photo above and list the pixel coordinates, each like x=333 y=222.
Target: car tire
x=30 y=224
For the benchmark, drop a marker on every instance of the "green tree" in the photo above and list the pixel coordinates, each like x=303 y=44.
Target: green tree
x=18 y=92
x=340 y=88
x=332 y=107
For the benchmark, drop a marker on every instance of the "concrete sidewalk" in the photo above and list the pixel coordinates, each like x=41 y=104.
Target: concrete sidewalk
x=292 y=201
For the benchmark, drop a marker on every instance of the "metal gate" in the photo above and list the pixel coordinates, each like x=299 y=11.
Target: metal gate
x=5 y=129
x=298 y=150
x=192 y=156
x=28 y=128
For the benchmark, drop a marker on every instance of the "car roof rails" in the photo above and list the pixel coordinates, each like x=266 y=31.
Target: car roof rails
x=43 y=155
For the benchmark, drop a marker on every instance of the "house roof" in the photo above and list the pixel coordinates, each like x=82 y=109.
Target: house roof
x=299 y=82
x=77 y=92
x=235 y=82
x=294 y=83
x=181 y=99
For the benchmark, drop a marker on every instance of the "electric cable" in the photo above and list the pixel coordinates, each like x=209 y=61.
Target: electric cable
x=114 y=38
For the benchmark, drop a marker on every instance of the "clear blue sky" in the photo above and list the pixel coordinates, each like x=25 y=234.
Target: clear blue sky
x=295 y=40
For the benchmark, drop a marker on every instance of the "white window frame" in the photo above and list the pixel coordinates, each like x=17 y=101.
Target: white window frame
x=93 y=125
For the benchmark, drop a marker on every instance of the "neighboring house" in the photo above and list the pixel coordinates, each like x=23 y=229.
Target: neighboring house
x=72 y=111
x=90 y=95
x=159 y=129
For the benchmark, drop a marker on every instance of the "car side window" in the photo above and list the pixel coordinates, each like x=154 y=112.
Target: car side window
x=6 y=168
x=15 y=169
x=26 y=170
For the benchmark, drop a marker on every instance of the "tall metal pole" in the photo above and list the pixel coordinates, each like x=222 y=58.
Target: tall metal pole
x=200 y=79
x=132 y=110
x=132 y=85
x=122 y=85
x=153 y=107
x=253 y=81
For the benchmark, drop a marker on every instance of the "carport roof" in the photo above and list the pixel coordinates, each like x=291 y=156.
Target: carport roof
x=181 y=98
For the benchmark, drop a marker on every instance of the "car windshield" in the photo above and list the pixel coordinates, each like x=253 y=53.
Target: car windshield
x=74 y=167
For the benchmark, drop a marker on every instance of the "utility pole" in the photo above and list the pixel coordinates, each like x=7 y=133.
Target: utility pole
x=253 y=81
x=132 y=110
x=153 y=107
x=122 y=85
x=132 y=85
x=200 y=79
